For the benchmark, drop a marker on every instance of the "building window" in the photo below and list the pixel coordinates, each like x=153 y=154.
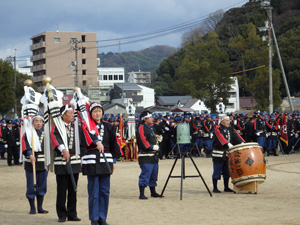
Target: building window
x=83 y=50
x=83 y=72
x=56 y=40
x=84 y=83
x=120 y=77
x=110 y=77
x=104 y=77
x=115 y=77
x=83 y=61
x=100 y=77
x=83 y=38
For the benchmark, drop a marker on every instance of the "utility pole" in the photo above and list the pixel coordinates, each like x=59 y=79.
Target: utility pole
x=266 y=4
x=15 y=82
x=14 y=61
x=268 y=26
x=283 y=72
x=75 y=62
x=269 y=11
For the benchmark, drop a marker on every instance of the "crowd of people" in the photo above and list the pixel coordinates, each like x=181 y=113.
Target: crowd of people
x=156 y=137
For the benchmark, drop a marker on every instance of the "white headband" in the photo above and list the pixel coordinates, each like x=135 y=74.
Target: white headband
x=37 y=116
x=147 y=116
x=224 y=118
x=66 y=109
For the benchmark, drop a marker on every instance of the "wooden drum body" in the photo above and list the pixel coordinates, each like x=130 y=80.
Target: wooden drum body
x=246 y=164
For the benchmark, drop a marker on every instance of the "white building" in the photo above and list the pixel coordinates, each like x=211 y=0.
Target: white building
x=107 y=77
x=234 y=97
x=139 y=77
x=197 y=105
x=141 y=96
x=25 y=68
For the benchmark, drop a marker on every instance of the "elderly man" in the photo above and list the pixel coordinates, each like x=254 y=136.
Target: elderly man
x=224 y=138
x=63 y=154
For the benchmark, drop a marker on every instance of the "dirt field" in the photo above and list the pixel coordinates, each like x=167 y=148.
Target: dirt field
x=277 y=201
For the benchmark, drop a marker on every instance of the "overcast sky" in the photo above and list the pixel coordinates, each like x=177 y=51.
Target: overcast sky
x=21 y=19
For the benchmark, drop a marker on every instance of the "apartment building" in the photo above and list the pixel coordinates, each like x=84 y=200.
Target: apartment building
x=139 y=77
x=54 y=54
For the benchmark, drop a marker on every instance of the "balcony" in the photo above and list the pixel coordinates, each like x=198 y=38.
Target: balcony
x=38 y=68
x=38 y=45
x=38 y=79
x=137 y=98
x=38 y=57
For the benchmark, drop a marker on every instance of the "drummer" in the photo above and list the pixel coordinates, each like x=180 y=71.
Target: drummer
x=224 y=138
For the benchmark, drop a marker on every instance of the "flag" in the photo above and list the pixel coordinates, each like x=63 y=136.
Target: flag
x=121 y=131
x=283 y=131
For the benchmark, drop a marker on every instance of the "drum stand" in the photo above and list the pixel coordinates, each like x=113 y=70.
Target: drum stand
x=183 y=176
x=252 y=187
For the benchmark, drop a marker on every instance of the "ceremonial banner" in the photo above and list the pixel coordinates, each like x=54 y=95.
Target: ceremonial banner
x=283 y=131
x=30 y=102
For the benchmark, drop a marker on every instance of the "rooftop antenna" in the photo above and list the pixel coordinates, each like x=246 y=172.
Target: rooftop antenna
x=57 y=28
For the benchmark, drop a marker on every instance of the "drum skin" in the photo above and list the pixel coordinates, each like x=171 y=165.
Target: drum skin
x=246 y=164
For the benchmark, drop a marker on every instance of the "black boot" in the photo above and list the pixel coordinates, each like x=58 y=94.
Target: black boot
x=268 y=152
x=275 y=154
x=142 y=193
x=215 y=184
x=32 y=206
x=226 y=188
x=154 y=194
x=40 y=200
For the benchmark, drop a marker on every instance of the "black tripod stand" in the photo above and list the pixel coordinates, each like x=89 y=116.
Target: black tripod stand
x=183 y=176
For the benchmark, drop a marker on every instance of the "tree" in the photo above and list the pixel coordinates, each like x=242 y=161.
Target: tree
x=7 y=94
x=204 y=72
x=212 y=21
x=249 y=51
x=289 y=44
x=163 y=85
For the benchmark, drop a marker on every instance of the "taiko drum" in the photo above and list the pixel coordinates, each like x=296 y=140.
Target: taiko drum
x=246 y=164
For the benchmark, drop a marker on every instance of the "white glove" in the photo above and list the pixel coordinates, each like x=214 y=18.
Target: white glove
x=5 y=146
x=257 y=134
x=167 y=128
x=155 y=147
x=160 y=138
x=229 y=145
x=18 y=143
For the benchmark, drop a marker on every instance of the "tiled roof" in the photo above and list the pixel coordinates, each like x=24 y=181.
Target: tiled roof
x=170 y=100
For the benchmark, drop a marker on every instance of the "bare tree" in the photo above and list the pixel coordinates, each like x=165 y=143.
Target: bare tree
x=211 y=22
x=208 y=25
x=191 y=35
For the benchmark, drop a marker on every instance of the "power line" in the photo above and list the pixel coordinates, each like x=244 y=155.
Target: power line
x=160 y=32
x=186 y=24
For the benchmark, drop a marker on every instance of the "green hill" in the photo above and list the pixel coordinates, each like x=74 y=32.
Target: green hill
x=145 y=60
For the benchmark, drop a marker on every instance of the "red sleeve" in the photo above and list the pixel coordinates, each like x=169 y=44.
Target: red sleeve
x=24 y=143
x=239 y=135
x=239 y=125
x=255 y=124
x=206 y=128
x=54 y=140
x=220 y=137
x=194 y=126
x=142 y=136
x=268 y=125
x=87 y=136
